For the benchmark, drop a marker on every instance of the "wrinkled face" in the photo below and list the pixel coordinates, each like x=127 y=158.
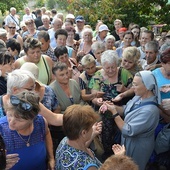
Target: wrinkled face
x=30 y=86
x=61 y=40
x=110 y=44
x=145 y=37
x=110 y=69
x=138 y=86
x=90 y=69
x=135 y=32
x=16 y=123
x=127 y=40
x=44 y=44
x=34 y=55
x=62 y=76
x=127 y=63
x=87 y=36
x=63 y=58
x=150 y=56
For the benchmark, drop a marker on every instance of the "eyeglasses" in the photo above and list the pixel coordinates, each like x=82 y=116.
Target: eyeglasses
x=11 y=27
x=28 y=23
x=25 y=106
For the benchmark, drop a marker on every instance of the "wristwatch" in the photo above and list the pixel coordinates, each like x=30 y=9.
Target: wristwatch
x=115 y=115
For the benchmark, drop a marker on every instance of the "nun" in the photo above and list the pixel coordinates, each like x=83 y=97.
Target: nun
x=139 y=118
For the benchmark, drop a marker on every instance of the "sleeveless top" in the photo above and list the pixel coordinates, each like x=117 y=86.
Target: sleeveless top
x=44 y=70
x=32 y=157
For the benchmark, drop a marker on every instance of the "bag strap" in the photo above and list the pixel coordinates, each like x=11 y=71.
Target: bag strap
x=14 y=20
x=48 y=74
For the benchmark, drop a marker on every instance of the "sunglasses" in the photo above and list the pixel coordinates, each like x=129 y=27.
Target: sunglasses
x=11 y=27
x=23 y=105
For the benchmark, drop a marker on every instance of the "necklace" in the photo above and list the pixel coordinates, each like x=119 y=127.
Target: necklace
x=27 y=142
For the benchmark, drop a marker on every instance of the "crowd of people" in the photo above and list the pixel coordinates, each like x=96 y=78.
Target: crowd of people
x=68 y=90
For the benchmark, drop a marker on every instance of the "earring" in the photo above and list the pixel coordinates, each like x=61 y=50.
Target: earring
x=0 y=73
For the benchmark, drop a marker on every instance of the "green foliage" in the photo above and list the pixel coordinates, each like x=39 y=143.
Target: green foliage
x=51 y=4
x=142 y=12
x=5 y=5
x=40 y=3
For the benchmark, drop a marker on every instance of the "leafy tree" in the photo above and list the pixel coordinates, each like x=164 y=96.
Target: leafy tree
x=142 y=12
x=5 y=5
x=40 y=3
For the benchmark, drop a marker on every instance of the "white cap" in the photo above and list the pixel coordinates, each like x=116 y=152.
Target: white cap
x=71 y=16
x=103 y=27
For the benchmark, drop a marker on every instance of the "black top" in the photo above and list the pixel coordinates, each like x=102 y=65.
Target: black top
x=3 y=86
x=115 y=35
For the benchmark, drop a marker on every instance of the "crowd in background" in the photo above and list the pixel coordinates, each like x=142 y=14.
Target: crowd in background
x=68 y=90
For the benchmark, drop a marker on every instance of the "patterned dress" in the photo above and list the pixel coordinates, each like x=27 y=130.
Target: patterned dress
x=110 y=132
x=69 y=158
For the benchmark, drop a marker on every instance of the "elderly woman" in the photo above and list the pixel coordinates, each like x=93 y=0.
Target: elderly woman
x=89 y=67
x=140 y=118
x=46 y=23
x=12 y=33
x=61 y=37
x=32 y=32
x=32 y=48
x=111 y=80
x=110 y=42
x=85 y=45
x=97 y=49
x=130 y=60
x=25 y=132
x=6 y=66
x=73 y=152
x=127 y=40
x=67 y=90
x=61 y=54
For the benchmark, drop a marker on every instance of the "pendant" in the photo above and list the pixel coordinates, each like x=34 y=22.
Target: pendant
x=28 y=144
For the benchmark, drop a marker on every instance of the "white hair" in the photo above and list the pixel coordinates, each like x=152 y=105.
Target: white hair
x=18 y=78
x=109 y=56
x=12 y=8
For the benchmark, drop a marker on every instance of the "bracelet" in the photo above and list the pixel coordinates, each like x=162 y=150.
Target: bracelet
x=115 y=115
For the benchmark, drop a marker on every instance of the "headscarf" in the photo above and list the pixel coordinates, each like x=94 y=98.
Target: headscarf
x=150 y=83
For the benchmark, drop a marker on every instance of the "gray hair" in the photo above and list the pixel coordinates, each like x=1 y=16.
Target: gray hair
x=12 y=8
x=110 y=37
x=109 y=56
x=152 y=45
x=97 y=45
x=18 y=78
